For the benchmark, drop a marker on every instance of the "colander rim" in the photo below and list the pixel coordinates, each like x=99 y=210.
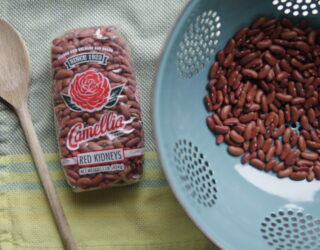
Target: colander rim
x=160 y=64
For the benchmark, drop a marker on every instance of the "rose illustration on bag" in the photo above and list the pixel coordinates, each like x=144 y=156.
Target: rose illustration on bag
x=91 y=91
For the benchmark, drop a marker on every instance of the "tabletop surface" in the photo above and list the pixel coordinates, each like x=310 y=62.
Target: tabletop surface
x=142 y=216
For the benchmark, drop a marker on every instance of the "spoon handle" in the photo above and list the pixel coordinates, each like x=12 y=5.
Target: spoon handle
x=47 y=183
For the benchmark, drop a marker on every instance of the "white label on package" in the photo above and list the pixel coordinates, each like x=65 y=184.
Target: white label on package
x=100 y=157
x=100 y=169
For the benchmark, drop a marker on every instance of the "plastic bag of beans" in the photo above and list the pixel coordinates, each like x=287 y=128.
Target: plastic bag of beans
x=97 y=109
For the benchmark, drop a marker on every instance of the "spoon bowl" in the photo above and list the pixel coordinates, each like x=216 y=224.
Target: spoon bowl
x=15 y=66
x=15 y=75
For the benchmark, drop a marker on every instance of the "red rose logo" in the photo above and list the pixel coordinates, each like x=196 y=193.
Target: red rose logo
x=89 y=90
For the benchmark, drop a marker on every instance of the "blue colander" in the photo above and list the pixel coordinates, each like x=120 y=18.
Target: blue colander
x=235 y=205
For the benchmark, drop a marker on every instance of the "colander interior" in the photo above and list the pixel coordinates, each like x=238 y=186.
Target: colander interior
x=236 y=206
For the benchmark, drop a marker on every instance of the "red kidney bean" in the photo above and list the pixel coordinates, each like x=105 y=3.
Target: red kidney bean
x=285 y=151
x=264 y=44
x=313 y=145
x=302 y=46
x=270 y=153
x=236 y=137
x=263 y=73
x=249 y=73
x=246 y=145
x=241 y=33
x=248 y=131
x=316 y=170
x=217 y=120
x=261 y=126
x=258 y=22
x=312 y=156
x=278 y=145
x=221 y=129
x=257 y=163
x=302 y=143
x=270 y=118
x=270 y=97
x=246 y=118
x=282 y=77
x=277 y=50
x=225 y=111
x=249 y=57
x=84 y=181
x=219 y=139
x=221 y=82
x=305 y=123
x=284 y=97
x=234 y=150
x=305 y=134
x=295 y=63
x=314 y=136
x=267 y=144
x=253 y=145
x=210 y=122
x=260 y=141
x=294 y=114
x=302 y=162
x=292 y=157
x=279 y=131
x=297 y=76
x=208 y=103
x=311 y=175
x=270 y=58
x=230 y=46
x=297 y=176
x=286 y=135
x=245 y=158
x=251 y=94
x=285 y=65
x=311 y=101
x=298 y=100
x=278 y=166
x=232 y=78
x=214 y=70
x=287 y=113
x=231 y=121
x=221 y=57
x=294 y=139
x=281 y=117
x=270 y=165
x=288 y=35
x=240 y=128
x=229 y=60
x=264 y=104
x=285 y=172
x=261 y=155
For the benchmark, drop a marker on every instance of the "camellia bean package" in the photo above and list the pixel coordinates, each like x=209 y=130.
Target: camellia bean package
x=97 y=110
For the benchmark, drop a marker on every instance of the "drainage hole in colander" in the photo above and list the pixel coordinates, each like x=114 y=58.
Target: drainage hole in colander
x=291 y=229
x=198 y=45
x=297 y=7
x=194 y=172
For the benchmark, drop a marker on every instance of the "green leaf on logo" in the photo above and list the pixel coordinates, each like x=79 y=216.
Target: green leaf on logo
x=70 y=104
x=115 y=92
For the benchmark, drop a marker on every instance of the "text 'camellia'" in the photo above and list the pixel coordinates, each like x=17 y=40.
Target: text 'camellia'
x=109 y=122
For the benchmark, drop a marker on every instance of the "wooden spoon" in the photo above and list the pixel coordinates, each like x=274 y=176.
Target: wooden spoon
x=14 y=83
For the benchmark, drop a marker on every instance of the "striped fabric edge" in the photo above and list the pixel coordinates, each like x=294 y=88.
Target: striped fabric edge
x=11 y=164
x=179 y=245
x=34 y=185
x=149 y=155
